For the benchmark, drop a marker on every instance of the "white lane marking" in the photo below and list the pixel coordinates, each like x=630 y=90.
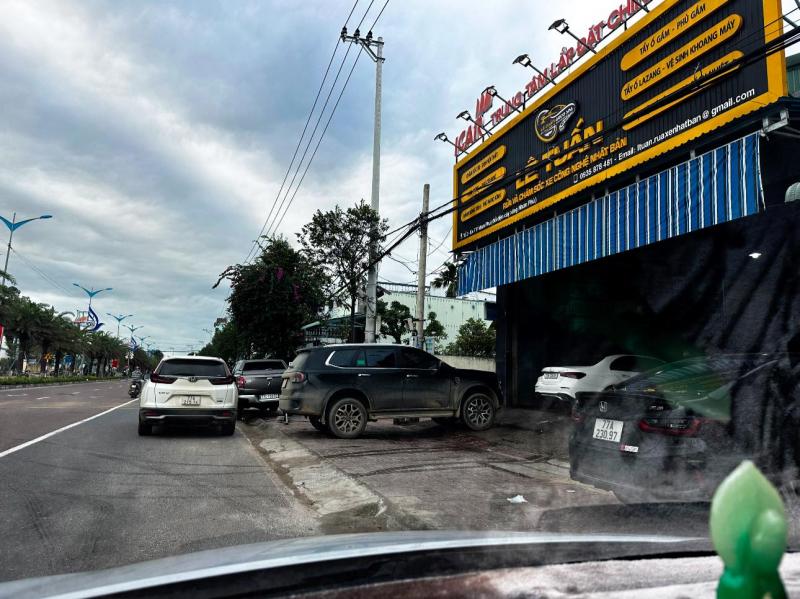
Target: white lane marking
x=61 y=430
x=75 y=393
x=58 y=386
x=44 y=397
x=17 y=395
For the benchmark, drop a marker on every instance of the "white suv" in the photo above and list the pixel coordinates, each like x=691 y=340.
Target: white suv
x=189 y=390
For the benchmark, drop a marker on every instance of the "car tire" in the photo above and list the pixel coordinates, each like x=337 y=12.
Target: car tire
x=317 y=423
x=145 y=429
x=478 y=411
x=228 y=428
x=347 y=418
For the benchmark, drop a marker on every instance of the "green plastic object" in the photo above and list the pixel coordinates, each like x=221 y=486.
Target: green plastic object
x=749 y=529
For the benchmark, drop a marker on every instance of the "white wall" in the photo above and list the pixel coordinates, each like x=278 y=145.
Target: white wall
x=487 y=364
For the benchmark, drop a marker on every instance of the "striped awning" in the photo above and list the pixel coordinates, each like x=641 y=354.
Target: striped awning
x=719 y=186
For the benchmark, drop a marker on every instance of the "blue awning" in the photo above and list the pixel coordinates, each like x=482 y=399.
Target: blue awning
x=719 y=186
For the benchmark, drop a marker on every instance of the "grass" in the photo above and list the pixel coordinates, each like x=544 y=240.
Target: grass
x=50 y=380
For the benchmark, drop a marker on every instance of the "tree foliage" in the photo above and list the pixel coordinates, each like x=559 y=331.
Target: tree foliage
x=271 y=299
x=474 y=339
x=338 y=243
x=447 y=279
x=393 y=319
x=35 y=330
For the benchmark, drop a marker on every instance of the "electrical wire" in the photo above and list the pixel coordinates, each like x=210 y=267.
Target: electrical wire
x=41 y=273
x=319 y=141
x=330 y=117
x=300 y=140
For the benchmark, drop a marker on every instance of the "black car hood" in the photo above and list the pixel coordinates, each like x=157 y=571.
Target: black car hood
x=276 y=555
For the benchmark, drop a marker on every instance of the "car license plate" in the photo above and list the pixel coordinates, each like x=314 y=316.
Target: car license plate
x=608 y=430
x=191 y=400
x=551 y=375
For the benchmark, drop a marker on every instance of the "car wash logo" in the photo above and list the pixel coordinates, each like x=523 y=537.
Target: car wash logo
x=551 y=123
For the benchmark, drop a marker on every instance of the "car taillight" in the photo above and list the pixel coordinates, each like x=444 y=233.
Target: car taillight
x=572 y=375
x=222 y=380
x=157 y=378
x=678 y=427
x=298 y=377
x=240 y=382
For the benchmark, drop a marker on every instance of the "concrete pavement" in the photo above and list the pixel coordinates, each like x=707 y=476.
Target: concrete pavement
x=98 y=495
x=425 y=476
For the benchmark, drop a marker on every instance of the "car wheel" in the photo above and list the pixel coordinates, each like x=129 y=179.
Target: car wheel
x=228 y=428
x=347 y=418
x=478 y=412
x=145 y=429
x=318 y=424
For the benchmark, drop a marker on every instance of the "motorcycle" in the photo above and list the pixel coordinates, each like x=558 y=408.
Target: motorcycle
x=135 y=388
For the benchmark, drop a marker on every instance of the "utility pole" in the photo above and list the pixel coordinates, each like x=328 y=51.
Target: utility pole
x=423 y=258
x=374 y=49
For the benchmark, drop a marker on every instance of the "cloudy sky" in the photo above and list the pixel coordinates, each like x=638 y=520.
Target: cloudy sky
x=158 y=132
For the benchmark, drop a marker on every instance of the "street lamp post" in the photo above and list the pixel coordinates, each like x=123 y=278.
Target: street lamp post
x=13 y=225
x=119 y=318
x=132 y=329
x=91 y=293
x=374 y=48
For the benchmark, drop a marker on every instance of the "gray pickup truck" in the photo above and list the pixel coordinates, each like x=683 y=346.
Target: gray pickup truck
x=259 y=384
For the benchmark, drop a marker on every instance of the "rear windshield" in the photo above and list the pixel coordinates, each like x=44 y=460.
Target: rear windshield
x=200 y=368
x=299 y=360
x=264 y=365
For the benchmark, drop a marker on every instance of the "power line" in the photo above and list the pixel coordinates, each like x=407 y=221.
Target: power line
x=271 y=229
x=330 y=117
x=300 y=140
x=319 y=141
x=41 y=273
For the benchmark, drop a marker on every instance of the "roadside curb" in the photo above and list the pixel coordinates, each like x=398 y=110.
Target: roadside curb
x=58 y=384
x=324 y=486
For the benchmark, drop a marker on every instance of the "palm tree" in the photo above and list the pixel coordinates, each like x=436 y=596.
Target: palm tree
x=447 y=278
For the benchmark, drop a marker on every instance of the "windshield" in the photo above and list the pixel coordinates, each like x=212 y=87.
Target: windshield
x=262 y=365
x=277 y=269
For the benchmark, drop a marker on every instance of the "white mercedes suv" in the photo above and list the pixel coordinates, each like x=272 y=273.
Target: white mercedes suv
x=190 y=390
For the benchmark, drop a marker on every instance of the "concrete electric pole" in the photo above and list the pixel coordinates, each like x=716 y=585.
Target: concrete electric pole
x=423 y=258
x=374 y=48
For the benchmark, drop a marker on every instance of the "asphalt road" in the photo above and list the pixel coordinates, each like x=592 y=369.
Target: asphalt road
x=97 y=495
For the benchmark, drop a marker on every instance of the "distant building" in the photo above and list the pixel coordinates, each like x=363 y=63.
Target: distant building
x=451 y=312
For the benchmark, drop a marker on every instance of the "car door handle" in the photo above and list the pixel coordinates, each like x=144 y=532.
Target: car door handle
x=412 y=376
x=363 y=374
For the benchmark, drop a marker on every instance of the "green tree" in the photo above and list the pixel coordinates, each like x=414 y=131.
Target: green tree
x=271 y=299
x=338 y=242
x=393 y=319
x=447 y=279
x=224 y=344
x=474 y=339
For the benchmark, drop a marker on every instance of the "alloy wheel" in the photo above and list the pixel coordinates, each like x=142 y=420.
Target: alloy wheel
x=348 y=418
x=478 y=411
